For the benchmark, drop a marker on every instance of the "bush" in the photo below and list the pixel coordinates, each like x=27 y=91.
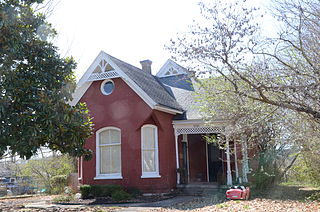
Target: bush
x=120 y=195
x=263 y=180
x=85 y=191
x=63 y=198
x=134 y=192
x=88 y=191
x=105 y=190
x=58 y=183
x=314 y=197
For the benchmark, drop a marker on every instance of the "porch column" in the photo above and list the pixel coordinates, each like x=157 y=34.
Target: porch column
x=245 y=164
x=229 y=176
x=236 y=160
x=177 y=157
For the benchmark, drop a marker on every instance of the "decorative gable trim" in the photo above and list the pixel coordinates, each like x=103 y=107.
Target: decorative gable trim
x=102 y=76
x=171 y=68
x=93 y=75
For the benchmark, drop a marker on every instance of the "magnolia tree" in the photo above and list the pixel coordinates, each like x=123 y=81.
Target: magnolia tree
x=36 y=84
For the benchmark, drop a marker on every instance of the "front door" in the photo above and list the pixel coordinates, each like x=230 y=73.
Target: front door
x=214 y=163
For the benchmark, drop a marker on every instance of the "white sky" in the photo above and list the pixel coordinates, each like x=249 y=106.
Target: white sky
x=131 y=30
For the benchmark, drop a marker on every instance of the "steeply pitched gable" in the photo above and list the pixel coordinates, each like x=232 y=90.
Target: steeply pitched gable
x=143 y=83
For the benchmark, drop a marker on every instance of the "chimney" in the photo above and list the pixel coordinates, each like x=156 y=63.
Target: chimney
x=146 y=65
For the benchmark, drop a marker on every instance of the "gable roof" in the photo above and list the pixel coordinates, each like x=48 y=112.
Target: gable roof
x=183 y=88
x=171 y=68
x=142 y=82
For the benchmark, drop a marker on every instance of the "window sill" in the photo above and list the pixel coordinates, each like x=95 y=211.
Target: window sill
x=153 y=175
x=108 y=177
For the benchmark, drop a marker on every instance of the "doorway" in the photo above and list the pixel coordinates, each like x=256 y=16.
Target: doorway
x=214 y=163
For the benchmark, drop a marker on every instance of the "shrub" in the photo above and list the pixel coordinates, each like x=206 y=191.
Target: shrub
x=105 y=190
x=120 y=195
x=314 y=197
x=263 y=180
x=58 y=183
x=63 y=198
x=85 y=191
x=135 y=192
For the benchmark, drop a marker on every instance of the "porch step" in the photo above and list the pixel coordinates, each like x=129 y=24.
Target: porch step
x=201 y=189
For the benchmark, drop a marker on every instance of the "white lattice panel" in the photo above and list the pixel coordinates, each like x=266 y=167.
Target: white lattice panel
x=102 y=76
x=199 y=130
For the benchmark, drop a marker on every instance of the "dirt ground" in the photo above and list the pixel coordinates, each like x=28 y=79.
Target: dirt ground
x=19 y=205
x=280 y=198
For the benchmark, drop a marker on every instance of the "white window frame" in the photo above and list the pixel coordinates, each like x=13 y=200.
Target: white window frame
x=80 y=164
x=100 y=176
x=156 y=150
x=102 y=87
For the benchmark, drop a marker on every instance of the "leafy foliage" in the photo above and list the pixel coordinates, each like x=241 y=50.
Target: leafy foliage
x=35 y=87
x=63 y=198
x=85 y=191
x=49 y=172
x=266 y=87
x=120 y=195
x=111 y=190
x=58 y=183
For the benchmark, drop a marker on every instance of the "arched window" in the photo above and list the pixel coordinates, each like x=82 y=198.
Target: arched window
x=149 y=151
x=108 y=153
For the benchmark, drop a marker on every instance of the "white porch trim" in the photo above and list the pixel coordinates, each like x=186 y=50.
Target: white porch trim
x=236 y=160
x=229 y=176
x=199 y=127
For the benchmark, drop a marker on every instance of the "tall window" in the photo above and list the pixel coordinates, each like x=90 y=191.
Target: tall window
x=108 y=153
x=149 y=151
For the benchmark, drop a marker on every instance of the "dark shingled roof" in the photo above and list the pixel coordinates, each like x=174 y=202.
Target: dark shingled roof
x=149 y=84
x=183 y=89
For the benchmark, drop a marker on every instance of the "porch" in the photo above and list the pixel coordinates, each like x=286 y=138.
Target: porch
x=203 y=164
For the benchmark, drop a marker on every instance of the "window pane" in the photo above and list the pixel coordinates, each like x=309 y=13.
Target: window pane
x=108 y=87
x=110 y=159
x=104 y=157
x=149 y=161
x=110 y=137
x=104 y=137
x=148 y=138
x=115 y=136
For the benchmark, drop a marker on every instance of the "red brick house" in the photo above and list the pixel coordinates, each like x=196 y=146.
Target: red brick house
x=147 y=130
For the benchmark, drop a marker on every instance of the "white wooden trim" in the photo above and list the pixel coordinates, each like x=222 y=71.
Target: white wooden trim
x=245 y=163
x=207 y=162
x=150 y=175
x=177 y=157
x=156 y=153
x=130 y=82
x=100 y=176
x=229 y=176
x=170 y=63
x=102 y=85
x=80 y=176
x=167 y=110
x=79 y=92
x=108 y=177
x=236 y=160
x=84 y=83
x=185 y=137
